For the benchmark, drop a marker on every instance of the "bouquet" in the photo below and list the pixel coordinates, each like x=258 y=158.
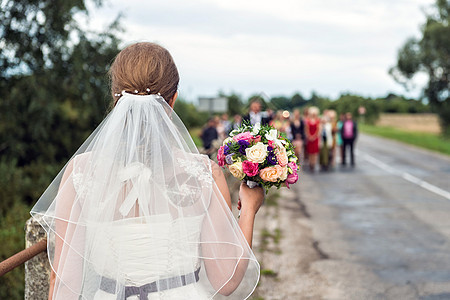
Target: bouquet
x=259 y=155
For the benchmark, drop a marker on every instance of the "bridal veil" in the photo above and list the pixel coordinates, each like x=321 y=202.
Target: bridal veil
x=137 y=212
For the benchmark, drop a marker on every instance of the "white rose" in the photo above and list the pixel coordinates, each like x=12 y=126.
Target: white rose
x=236 y=170
x=257 y=153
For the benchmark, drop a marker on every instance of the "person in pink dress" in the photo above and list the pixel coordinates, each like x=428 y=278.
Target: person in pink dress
x=349 y=132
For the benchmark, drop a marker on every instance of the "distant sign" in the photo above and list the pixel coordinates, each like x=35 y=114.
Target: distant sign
x=213 y=105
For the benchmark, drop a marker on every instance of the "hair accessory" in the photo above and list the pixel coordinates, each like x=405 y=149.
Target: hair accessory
x=136 y=91
x=117 y=94
x=148 y=90
x=159 y=94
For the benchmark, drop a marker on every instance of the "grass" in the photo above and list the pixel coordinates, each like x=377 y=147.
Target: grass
x=428 y=141
x=195 y=134
x=268 y=272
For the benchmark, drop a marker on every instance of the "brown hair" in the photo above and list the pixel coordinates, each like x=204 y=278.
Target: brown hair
x=143 y=66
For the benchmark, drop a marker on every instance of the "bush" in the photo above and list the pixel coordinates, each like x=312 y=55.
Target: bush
x=12 y=236
x=189 y=114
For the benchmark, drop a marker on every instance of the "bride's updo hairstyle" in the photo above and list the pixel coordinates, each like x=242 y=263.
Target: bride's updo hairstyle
x=144 y=68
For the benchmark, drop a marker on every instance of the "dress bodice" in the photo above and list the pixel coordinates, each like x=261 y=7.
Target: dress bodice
x=146 y=249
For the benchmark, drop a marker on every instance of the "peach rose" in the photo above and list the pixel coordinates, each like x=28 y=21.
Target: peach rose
x=284 y=175
x=271 y=174
x=282 y=156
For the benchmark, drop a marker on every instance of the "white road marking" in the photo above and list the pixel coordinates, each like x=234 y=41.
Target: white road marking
x=413 y=179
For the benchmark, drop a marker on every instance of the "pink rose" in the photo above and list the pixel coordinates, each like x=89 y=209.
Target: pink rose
x=282 y=156
x=221 y=156
x=291 y=179
x=250 y=168
x=271 y=174
x=293 y=166
x=247 y=136
x=256 y=139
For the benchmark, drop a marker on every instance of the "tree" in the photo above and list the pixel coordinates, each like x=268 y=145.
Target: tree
x=281 y=103
x=189 y=114
x=53 y=79
x=298 y=100
x=258 y=97
x=351 y=103
x=235 y=105
x=430 y=55
x=53 y=93
x=319 y=101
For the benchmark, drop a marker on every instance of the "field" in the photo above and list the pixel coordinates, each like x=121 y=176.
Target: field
x=428 y=123
x=421 y=130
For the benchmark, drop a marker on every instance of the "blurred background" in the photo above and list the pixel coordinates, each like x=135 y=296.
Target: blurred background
x=386 y=62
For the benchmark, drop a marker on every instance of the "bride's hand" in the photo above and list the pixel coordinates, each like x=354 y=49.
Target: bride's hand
x=250 y=199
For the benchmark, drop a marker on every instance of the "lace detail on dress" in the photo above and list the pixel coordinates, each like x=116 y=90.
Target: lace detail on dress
x=195 y=178
x=81 y=184
x=196 y=169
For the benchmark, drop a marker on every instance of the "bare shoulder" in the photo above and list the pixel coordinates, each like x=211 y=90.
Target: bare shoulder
x=216 y=171
x=82 y=158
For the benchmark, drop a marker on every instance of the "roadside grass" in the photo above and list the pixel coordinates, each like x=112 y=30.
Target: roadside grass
x=269 y=272
x=195 y=134
x=428 y=141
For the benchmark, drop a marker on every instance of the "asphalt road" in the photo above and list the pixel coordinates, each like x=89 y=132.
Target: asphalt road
x=383 y=226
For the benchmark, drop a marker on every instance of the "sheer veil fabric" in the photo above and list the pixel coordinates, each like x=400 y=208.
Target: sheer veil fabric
x=136 y=214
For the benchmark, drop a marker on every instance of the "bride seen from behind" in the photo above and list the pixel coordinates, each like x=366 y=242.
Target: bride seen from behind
x=137 y=213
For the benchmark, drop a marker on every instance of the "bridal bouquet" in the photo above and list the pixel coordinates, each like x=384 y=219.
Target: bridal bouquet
x=259 y=155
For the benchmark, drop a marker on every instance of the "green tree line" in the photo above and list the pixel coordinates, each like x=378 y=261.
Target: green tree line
x=346 y=102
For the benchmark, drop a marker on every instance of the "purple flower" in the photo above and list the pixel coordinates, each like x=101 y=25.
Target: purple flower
x=229 y=159
x=243 y=145
x=269 y=148
x=226 y=149
x=271 y=158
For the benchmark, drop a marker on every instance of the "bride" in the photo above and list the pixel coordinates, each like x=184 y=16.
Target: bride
x=137 y=213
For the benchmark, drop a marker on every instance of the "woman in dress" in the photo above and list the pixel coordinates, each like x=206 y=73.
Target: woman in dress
x=312 y=129
x=137 y=213
x=326 y=142
x=332 y=114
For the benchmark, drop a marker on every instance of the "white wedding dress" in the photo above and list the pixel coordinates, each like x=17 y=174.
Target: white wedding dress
x=146 y=250
x=154 y=250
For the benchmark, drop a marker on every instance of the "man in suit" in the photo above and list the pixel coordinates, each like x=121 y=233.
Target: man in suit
x=255 y=115
x=349 y=132
x=208 y=135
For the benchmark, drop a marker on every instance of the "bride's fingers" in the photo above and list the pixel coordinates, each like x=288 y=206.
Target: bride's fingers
x=239 y=204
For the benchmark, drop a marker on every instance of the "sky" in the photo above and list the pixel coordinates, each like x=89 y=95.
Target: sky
x=275 y=47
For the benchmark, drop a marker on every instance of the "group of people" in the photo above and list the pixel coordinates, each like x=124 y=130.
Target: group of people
x=318 y=139
x=323 y=135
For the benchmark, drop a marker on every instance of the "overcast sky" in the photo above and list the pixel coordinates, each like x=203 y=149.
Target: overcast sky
x=277 y=47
